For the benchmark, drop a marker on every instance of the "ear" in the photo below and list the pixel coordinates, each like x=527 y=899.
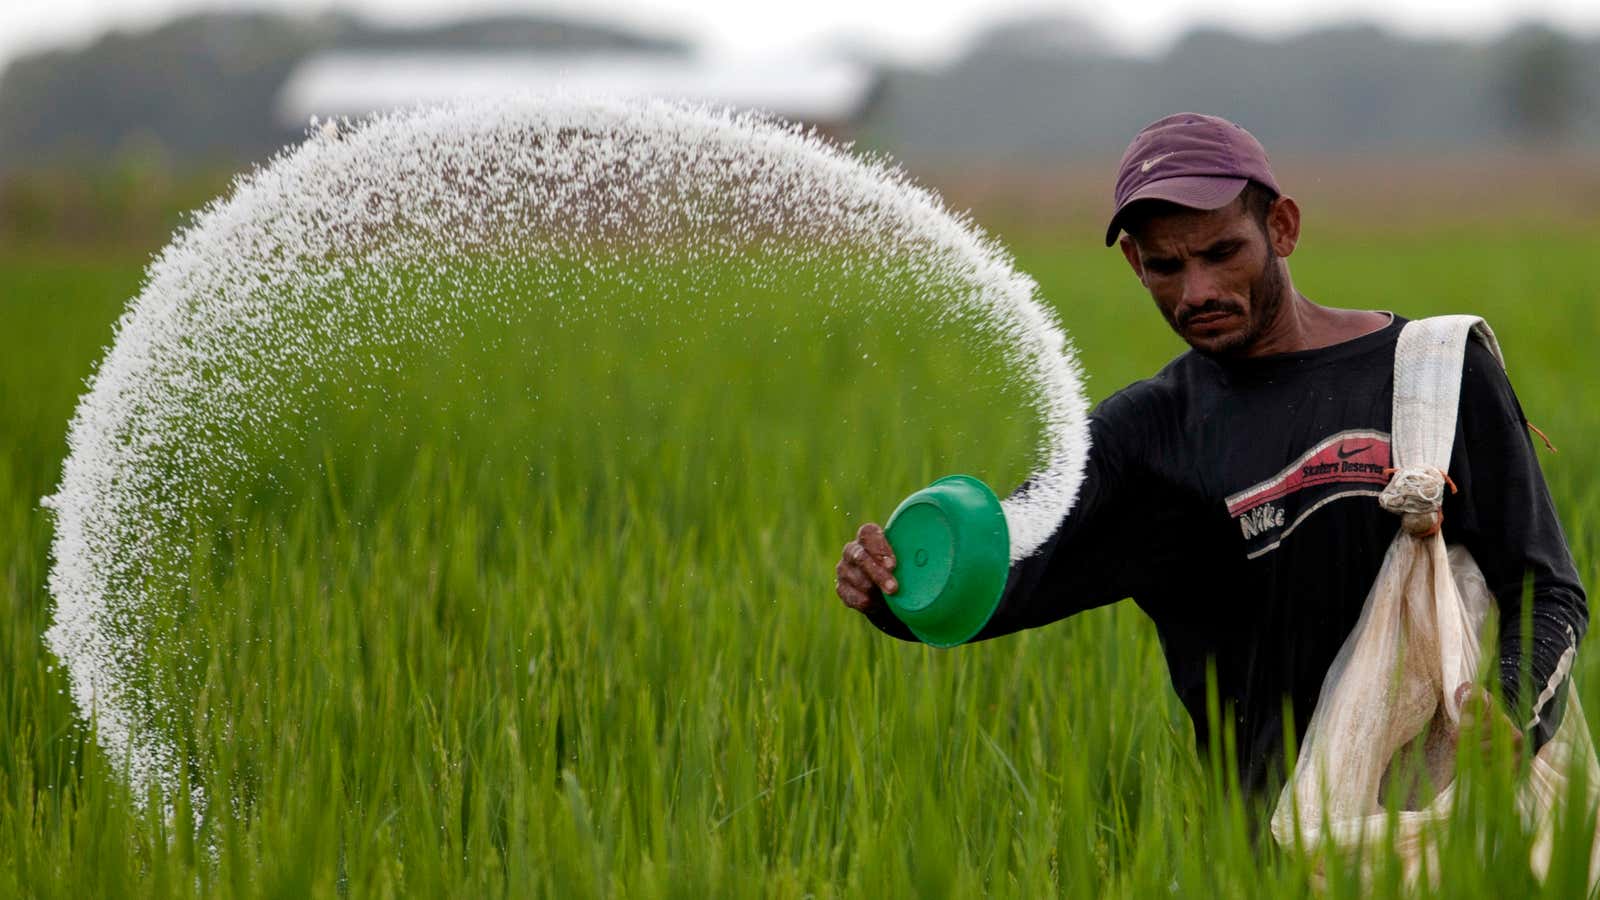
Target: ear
x=1131 y=252
x=1283 y=225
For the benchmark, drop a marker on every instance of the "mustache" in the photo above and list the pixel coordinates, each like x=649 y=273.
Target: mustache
x=1207 y=308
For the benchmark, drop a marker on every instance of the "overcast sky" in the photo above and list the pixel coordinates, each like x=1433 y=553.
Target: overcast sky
x=913 y=30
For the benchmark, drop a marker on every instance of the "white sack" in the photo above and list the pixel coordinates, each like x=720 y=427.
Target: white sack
x=1417 y=639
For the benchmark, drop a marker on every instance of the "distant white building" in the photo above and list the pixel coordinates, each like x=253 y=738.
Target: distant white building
x=828 y=93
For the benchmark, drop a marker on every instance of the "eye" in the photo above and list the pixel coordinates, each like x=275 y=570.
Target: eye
x=1161 y=266
x=1221 y=253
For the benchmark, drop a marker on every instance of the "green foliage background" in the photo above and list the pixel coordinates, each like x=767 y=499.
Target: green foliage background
x=585 y=644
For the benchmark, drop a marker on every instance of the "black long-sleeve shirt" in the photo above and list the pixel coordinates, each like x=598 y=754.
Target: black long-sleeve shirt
x=1236 y=504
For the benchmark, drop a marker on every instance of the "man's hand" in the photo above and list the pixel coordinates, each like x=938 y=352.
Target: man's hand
x=865 y=570
x=1482 y=718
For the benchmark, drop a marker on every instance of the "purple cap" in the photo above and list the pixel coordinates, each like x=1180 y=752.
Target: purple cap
x=1201 y=162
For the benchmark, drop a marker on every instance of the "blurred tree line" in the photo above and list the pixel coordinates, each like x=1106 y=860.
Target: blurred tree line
x=1045 y=89
x=115 y=142
x=202 y=89
x=1544 y=86
x=135 y=127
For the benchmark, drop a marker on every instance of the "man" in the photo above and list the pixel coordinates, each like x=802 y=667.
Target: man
x=1232 y=496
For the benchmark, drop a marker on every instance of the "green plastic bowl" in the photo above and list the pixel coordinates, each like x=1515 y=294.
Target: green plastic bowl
x=953 y=553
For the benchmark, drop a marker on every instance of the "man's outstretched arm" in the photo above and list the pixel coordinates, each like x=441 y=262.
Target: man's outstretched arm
x=1085 y=564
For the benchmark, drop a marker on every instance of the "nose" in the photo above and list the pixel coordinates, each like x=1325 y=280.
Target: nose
x=1199 y=288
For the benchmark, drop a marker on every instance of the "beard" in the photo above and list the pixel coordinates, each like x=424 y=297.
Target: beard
x=1266 y=300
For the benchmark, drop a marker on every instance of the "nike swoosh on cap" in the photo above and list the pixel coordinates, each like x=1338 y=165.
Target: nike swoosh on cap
x=1150 y=163
x=1344 y=455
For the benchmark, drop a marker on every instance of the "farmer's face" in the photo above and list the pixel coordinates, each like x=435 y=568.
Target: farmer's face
x=1215 y=275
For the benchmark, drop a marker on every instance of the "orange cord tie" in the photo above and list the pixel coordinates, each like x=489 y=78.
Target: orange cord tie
x=1535 y=429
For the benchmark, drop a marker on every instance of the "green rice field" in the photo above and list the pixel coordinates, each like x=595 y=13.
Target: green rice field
x=582 y=641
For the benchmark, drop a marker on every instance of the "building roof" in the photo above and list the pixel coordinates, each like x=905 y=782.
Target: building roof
x=355 y=83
